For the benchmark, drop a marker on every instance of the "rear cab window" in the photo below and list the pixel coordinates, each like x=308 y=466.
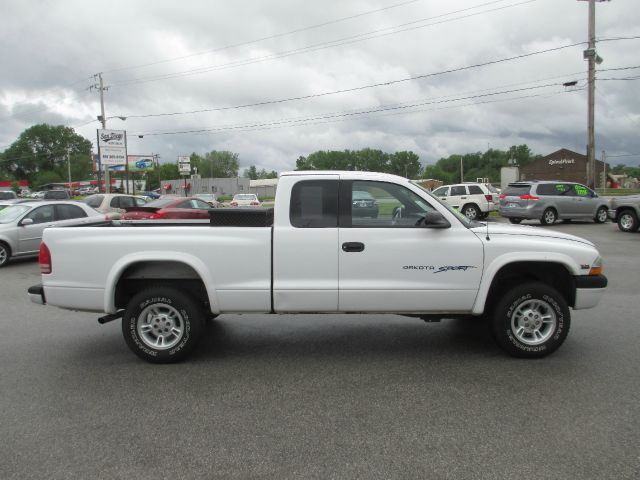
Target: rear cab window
x=314 y=204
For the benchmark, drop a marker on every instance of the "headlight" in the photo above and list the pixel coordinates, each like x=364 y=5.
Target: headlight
x=596 y=267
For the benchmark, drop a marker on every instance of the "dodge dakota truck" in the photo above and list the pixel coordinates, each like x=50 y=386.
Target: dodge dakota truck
x=315 y=252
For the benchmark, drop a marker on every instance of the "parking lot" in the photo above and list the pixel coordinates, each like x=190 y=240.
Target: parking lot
x=344 y=396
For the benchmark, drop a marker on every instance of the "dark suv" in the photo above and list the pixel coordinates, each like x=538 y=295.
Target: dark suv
x=549 y=201
x=56 y=195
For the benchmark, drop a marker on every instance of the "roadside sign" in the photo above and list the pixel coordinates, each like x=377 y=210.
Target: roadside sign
x=113 y=147
x=184 y=165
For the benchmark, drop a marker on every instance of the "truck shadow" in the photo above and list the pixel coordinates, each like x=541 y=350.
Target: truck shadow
x=342 y=335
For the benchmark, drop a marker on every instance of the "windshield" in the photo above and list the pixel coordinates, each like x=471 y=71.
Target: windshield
x=12 y=212
x=465 y=221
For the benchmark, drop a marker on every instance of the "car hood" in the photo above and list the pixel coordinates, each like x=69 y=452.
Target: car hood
x=527 y=231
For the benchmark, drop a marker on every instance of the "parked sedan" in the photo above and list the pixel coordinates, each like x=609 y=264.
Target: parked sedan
x=210 y=198
x=245 y=200
x=363 y=205
x=113 y=205
x=22 y=224
x=169 y=208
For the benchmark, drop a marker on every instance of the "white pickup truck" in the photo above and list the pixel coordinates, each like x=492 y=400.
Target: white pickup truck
x=321 y=250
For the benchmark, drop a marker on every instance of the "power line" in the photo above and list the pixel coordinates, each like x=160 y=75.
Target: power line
x=362 y=87
x=349 y=114
x=323 y=45
x=269 y=37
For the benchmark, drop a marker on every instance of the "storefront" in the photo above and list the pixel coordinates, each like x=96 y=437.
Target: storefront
x=562 y=165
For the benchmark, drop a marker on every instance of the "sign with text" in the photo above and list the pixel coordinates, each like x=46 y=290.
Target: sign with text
x=113 y=147
x=184 y=165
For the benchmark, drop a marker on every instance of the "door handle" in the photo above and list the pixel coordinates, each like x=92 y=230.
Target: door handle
x=352 y=247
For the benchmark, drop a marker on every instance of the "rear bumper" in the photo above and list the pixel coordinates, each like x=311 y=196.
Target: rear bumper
x=520 y=212
x=589 y=290
x=36 y=294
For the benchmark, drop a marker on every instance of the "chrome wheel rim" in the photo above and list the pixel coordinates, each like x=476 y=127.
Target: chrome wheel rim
x=626 y=221
x=602 y=215
x=3 y=255
x=549 y=217
x=160 y=326
x=471 y=213
x=533 y=322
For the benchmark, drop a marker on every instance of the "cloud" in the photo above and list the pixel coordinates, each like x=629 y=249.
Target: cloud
x=48 y=66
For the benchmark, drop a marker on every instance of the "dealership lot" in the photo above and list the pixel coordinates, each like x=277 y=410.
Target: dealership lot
x=345 y=396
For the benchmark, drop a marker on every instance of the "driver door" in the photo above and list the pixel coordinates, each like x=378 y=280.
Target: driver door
x=390 y=264
x=29 y=236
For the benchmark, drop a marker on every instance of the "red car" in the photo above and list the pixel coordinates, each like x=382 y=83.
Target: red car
x=169 y=208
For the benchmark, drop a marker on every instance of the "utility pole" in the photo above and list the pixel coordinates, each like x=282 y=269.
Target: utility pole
x=604 y=172
x=103 y=120
x=69 y=169
x=593 y=58
x=461 y=171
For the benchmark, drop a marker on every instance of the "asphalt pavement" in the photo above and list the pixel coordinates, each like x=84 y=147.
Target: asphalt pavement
x=341 y=396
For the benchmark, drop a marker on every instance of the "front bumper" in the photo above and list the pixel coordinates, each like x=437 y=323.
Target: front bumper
x=589 y=290
x=36 y=294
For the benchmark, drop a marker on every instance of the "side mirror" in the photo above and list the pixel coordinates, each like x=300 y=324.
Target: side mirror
x=26 y=221
x=433 y=220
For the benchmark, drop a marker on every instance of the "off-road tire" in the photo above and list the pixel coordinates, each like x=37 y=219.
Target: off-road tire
x=167 y=312
x=526 y=309
x=627 y=221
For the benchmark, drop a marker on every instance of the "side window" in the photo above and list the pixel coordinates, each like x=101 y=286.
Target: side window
x=441 y=192
x=67 y=212
x=581 y=190
x=186 y=204
x=475 y=190
x=545 y=189
x=458 y=190
x=140 y=202
x=314 y=204
x=127 y=202
x=115 y=202
x=41 y=214
x=564 y=189
x=381 y=204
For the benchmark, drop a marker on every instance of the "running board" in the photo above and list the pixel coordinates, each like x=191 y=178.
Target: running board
x=111 y=317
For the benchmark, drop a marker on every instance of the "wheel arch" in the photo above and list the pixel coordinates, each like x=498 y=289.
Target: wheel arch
x=557 y=272
x=134 y=273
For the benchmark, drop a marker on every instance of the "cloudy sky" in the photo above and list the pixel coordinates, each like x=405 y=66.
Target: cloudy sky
x=276 y=79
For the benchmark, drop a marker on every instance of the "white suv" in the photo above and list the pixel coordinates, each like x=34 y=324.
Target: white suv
x=474 y=200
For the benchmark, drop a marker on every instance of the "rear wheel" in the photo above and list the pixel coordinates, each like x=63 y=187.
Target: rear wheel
x=601 y=215
x=628 y=221
x=472 y=212
x=5 y=254
x=549 y=217
x=162 y=324
x=515 y=220
x=531 y=320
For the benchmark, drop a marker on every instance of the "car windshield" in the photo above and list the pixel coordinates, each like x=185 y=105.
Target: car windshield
x=12 y=212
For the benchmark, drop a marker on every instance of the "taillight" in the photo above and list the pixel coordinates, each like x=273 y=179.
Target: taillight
x=528 y=197
x=255 y=203
x=489 y=198
x=44 y=259
x=502 y=195
x=155 y=216
x=234 y=204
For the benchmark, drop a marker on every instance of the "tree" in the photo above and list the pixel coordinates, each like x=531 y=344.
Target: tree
x=15 y=186
x=223 y=164
x=253 y=174
x=44 y=148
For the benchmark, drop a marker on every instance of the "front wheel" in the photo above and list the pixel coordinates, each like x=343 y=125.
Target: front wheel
x=162 y=324
x=531 y=320
x=601 y=215
x=628 y=221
